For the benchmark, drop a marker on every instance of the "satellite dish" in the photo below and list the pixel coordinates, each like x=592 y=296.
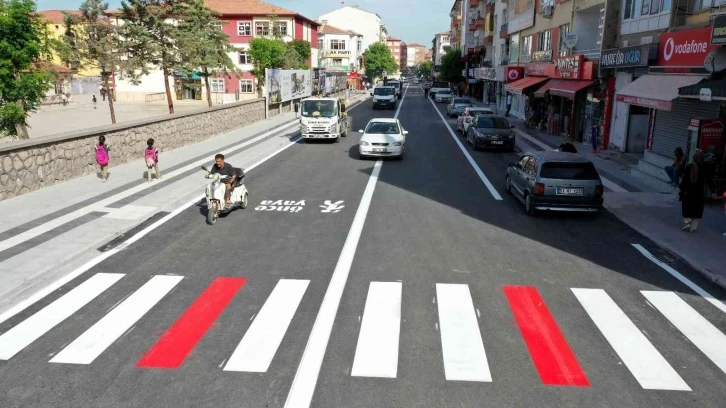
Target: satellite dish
x=476 y=34
x=715 y=60
x=471 y=13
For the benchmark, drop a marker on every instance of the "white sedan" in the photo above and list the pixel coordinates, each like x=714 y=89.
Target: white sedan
x=382 y=137
x=444 y=96
x=463 y=121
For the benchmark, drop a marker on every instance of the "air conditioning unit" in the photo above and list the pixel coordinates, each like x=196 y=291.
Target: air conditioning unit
x=547 y=11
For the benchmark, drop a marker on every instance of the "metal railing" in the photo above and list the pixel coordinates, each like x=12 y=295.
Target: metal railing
x=158 y=96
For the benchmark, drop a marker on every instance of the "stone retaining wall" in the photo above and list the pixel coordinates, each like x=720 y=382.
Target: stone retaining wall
x=29 y=165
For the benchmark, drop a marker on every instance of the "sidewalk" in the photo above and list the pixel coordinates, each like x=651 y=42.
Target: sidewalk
x=68 y=222
x=654 y=214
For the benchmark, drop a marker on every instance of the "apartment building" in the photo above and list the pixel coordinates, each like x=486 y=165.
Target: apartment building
x=413 y=54
x=368 y=24
x=394 y=45
x=441 y=45
x=241 y=21
x=339 y=49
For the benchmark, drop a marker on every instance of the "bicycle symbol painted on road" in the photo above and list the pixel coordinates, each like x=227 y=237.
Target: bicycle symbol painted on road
x=332 y=207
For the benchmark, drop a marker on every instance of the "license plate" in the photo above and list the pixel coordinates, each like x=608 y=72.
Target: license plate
x=378 y=150
x=569 y=191
x=497 y=142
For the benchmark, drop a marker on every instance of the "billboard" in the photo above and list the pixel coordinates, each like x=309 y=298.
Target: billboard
x=287 y=84
x=520 y=15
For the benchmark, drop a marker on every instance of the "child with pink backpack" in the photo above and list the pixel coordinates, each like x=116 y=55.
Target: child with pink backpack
x=102 y=157
x=151 y=155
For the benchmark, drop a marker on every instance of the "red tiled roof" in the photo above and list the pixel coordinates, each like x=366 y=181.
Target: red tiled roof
x=392 y=39
x=57 y=16
x=328 y=29
x=447 y=32
x=251 y=8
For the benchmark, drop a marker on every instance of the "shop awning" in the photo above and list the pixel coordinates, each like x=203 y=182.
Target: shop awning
x=655 y=91
x=568 y=88
x=517 y=87
x=540 y=93
x=717 y=87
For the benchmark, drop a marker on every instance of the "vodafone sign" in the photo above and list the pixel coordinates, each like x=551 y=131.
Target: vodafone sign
x=687 y=48
x=515 y=73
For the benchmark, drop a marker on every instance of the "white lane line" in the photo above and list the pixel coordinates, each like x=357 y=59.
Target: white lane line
x=473 y=164
x=101 y=335
x=695 y=327
x=100 y=205
x=461 y=342
x=376 y=354
x=32 y=328
x=259 y=345
x=681 y=278
x=605 y=182
x=306 y=377
x=95 y=261
x=643 y=360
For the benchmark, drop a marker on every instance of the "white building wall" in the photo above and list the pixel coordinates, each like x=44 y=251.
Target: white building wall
x=350 y=45
x=356 y=20
x=151 y=83
x=498 y=42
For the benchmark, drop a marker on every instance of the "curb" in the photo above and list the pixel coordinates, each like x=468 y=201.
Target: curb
x=718 y=280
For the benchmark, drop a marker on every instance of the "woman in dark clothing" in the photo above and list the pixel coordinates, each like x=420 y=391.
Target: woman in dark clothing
x=692 y=192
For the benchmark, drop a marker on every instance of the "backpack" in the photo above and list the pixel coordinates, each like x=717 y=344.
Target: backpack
x=101 y=155
x=150 y=156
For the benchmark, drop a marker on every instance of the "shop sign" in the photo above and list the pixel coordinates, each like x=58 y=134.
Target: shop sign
x=718 y=30
x=705 y=95
x=570 y=40
x=570 y=67
x=542 y=56
x=471 y=73
x=711 y=132
x=645 y=102
x=539 y=69
x=489 y=74
x=634 y=56
x=337 y=54
x=685 y=48
x=514 y=74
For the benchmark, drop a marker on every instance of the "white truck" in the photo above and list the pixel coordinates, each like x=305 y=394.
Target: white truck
x=384 y=97
x=439 y=86
x=323 y=118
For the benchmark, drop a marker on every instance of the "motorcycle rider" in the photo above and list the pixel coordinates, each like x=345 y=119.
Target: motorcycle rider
x=426 y=90
x=224 y=169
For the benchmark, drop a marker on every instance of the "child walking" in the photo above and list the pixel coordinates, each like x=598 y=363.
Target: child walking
x=151 y=154
x=94 y=101
x=102 y=157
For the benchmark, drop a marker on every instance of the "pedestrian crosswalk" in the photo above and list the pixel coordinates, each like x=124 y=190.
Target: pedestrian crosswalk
x=463 y=340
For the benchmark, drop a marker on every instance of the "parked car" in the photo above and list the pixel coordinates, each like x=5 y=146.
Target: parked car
x=490 y=131
x=463 y=122
x=382 y=137
x=555 y=181
x=457 y=107
x=444 y=96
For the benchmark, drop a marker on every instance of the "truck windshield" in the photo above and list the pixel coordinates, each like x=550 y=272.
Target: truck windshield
x=383 y=91
x=326 y=109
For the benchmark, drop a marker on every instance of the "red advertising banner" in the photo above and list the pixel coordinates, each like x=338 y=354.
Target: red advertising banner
x=687 y=48
x=645 y=102
x=712 y=136
x=514 y=74
x=540 y=69
x=569 y=67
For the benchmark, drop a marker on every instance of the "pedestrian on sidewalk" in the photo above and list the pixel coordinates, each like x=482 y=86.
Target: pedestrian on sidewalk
x=509 y=104
x=94 y=101
x=692 y=192
x=151 y=155
x=676 y=169
x=103 y=93
x=102 y=159
x=64 y=99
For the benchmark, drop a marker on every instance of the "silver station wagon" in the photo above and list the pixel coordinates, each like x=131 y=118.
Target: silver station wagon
x=555 y=181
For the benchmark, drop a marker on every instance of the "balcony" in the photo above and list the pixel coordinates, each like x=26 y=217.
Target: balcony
x=474 y=3
x=488 y=36
x=524 y=59
x=503 y=30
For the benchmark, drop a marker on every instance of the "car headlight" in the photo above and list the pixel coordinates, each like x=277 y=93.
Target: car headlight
x=396 y=144
x=364 y=143
x=511 y=135
x=482 y=135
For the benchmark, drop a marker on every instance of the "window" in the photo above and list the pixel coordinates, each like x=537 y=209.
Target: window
x=360 y=45
x=547 y=3
x=504 y=16
x=483 y=122
x=444 y=39
x=564 y=31
x=321 y=43
x=281 y=29
x=216 y=85
x=244 y=28
x=217 y=25
x=244 y=58
x=262 y=29
x=337 y=44
x=246 y=86
x=337 y=62
x=569 y=171
x=544 y=40
x=526 y=46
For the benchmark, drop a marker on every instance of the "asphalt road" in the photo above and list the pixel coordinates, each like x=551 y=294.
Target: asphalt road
x=417 y=287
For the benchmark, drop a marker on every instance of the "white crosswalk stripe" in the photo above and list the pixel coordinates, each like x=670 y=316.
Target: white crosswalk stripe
x=640 y=356
x=695 y=327
x=32 y=328
x=259 y=345
x=376 y=354
x=461 y=342
x=101 y=335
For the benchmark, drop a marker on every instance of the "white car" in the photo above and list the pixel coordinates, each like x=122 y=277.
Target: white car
x=463 y=122
x=382 y=137
x=443 y=96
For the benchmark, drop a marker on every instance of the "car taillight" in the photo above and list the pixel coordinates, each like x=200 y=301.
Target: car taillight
x=598 y=190
x=539 y=189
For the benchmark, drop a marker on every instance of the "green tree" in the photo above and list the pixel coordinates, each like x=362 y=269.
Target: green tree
x=302 y=48
x=149 y=37
x=425 y=69
x=91 y=42
x=207 y=46
x=25 y=49
x=451 y=66
x=266 y=53
x=379 y=60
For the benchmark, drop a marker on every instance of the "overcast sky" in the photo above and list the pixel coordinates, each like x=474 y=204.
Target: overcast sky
x=409 y=20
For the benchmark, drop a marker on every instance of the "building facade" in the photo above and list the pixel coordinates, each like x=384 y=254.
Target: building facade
x=338 y=48
x=441 y=45
x=394 y=45
x=413 y=54
x=369 y=25
x=241 y=21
